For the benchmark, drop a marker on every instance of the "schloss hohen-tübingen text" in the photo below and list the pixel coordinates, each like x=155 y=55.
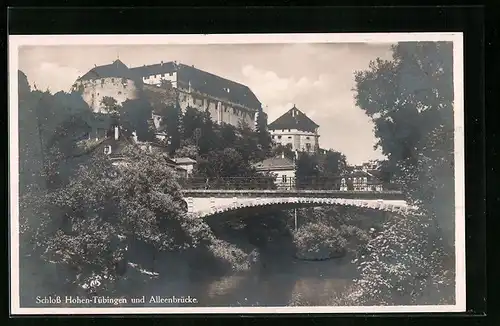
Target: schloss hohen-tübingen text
x=105 y=300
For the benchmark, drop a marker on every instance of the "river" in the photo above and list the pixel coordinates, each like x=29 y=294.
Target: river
x=277 y=279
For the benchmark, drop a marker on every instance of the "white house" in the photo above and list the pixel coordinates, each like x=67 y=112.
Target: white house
x=296 y=130
x=282 y=167
x=360 y=180
x=185 y=163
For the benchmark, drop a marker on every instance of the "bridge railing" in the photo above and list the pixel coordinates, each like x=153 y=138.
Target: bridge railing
x=283 y=183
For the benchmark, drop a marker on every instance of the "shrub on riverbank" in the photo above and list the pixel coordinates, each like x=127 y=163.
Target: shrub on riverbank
x=325 y=233
x=405 y=264
x=86 y=225
x=318 y=241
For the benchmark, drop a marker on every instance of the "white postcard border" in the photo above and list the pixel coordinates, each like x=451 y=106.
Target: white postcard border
x=52 y=40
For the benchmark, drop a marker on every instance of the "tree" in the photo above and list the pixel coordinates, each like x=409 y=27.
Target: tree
x=134 y=116
x=208 y=140
x=286 y=151
x=410 y=101
x=31 y=159
x=405 y=270
x=171 y=123
x=83 y=223
x=332 y=163
x=247 y=143
x=263 y=136
x=110 y=105
x=222 y=164
x=306 y=170
x=191 y=121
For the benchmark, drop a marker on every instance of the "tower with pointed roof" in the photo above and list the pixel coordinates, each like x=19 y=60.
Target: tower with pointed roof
x=295 y=130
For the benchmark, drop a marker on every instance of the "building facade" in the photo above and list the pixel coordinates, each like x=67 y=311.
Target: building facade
x=360 y=180
x=226 y=101
x=283 y=168
x=295 y=130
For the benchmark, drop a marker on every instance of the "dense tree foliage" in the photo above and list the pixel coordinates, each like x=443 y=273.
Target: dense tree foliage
x=410 y=101
x=321 y=170
x=93 y=210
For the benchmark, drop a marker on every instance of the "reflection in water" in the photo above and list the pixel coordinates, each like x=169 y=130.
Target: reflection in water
x=279 y=280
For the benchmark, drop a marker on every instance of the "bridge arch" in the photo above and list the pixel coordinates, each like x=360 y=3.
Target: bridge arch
x=219 y=206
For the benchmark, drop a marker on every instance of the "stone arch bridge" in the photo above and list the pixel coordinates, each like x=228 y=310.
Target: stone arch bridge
x=209 y=202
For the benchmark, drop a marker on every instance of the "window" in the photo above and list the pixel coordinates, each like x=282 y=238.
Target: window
x=288 y=130
x=279 y=137
x=307 y=137
x=107 y=149
x=308 y=146
x=283 y=178
x=112 y=80
x=289 y=137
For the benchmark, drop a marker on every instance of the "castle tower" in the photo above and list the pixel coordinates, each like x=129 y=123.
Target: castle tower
x=114 y=80
x=296 y=130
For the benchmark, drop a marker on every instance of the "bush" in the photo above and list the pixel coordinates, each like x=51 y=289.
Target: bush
x=405 y=264
x=319 y=241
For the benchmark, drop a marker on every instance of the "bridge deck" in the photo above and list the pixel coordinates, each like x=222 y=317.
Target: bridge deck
x=292 y=193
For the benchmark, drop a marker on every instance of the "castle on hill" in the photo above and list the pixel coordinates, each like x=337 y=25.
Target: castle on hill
x=226 y=101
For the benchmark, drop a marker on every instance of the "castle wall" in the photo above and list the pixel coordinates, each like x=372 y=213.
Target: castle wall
x=220 y=110
x=93 y=91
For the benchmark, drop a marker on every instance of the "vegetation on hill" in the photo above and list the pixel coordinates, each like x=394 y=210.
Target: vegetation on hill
x=80 y=212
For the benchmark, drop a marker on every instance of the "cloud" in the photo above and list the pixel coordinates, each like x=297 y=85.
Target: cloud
x=54 y=76
x=317 y=78
x=278 y=93
x=326 y=97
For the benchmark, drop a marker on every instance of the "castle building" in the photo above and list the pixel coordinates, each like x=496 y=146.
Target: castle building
x=295 y=130
x=226 y=101
x=113 y=80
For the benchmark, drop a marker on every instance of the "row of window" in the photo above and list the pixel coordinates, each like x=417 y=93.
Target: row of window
x=159 y=75
x=208 y=103
x=119 y=93
x=123 y=80
x=289 y=137
x=361 y=180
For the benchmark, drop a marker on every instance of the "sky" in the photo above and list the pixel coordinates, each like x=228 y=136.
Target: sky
x=317 y=78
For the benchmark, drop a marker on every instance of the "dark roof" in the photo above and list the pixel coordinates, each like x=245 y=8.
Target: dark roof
x=275 y=162
x=116 y=69
x=294 y=119
x=159 y=68
x=204 y=82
